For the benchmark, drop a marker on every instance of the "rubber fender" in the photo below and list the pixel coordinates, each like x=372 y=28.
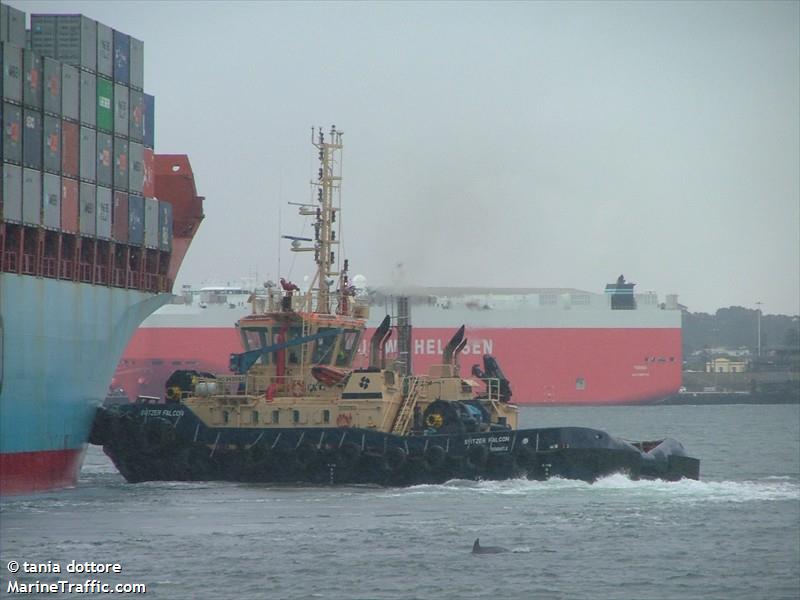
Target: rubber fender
x=259 y=453
x=524 y=456
x=434 y=457
x=156 y=435
x=348 y=455
x=394 y=459
x=501 y=461
x=305 y=454
x=476 y=457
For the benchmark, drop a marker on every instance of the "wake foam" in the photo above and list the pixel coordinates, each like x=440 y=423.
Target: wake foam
x=686 y=490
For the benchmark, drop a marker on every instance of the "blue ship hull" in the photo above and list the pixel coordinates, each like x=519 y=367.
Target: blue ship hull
x=60 y=342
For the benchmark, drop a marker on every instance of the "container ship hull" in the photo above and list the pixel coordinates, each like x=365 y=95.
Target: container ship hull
x=57 y=373
x=563 y=356
x=63 y=330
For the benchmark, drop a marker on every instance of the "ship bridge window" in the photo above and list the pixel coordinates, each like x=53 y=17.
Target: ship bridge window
x=347 y=347
x=281 y=334
x=323 y=348
x=254 y=338
x=548 y=300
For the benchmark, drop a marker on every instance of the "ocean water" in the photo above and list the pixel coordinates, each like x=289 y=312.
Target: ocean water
x=734 y=534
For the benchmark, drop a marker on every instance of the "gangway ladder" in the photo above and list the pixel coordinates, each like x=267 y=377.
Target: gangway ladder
x=406 y=410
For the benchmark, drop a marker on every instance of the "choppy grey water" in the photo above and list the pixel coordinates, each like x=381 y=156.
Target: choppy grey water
x=735 y=534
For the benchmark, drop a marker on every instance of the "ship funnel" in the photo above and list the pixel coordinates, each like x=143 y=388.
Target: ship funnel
x=458 y=350
x=378 y=343
x=453 y=346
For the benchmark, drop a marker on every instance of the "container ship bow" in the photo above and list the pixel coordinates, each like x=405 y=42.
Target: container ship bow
x=93 y=229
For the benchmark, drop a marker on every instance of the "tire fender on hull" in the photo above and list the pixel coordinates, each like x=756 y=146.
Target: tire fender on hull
x=393 y=459
x=476 y=457
x=434 y=457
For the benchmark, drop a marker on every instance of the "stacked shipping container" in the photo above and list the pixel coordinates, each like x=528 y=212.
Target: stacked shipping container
x=77 y=148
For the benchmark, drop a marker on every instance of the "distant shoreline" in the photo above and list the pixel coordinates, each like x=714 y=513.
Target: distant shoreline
x=721 y=398
x=693 y=399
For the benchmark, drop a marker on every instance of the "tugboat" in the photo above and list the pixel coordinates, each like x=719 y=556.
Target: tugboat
x=297 y=410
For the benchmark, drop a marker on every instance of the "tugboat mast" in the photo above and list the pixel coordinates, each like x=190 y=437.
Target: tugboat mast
x=328 y=186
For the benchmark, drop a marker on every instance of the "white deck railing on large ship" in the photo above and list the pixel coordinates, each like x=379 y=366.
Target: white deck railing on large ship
x=273 y=300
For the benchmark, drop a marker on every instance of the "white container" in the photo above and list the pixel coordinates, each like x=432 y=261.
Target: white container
x=104 y=200
x=31 y=197
x=151 y=223
x=51 y=201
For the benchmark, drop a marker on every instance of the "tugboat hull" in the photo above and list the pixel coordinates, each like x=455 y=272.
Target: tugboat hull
x=168 y=442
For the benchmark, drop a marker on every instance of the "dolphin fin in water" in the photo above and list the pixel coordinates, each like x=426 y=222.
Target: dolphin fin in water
x=478 y=549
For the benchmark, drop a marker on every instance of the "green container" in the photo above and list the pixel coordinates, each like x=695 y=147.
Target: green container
x=105 y=104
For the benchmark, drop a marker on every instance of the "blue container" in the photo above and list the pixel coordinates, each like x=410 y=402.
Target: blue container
x=135 y=220
x=164 y=226
x=136 y=117
x=121 y=164
x=105 y=159
x=149 y=121
x=122 y=58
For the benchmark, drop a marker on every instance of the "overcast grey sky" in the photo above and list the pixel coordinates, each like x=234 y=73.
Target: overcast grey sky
x=528 y=144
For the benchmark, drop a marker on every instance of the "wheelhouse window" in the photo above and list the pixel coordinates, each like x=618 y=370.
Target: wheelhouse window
x=255 y=338
x=347 y=347
x=293 y=353
x=323 y=348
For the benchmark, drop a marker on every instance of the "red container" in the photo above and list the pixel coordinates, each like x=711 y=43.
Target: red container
x=69 y=205
x=148 y=184
x=119 y=224
x=70 y=148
